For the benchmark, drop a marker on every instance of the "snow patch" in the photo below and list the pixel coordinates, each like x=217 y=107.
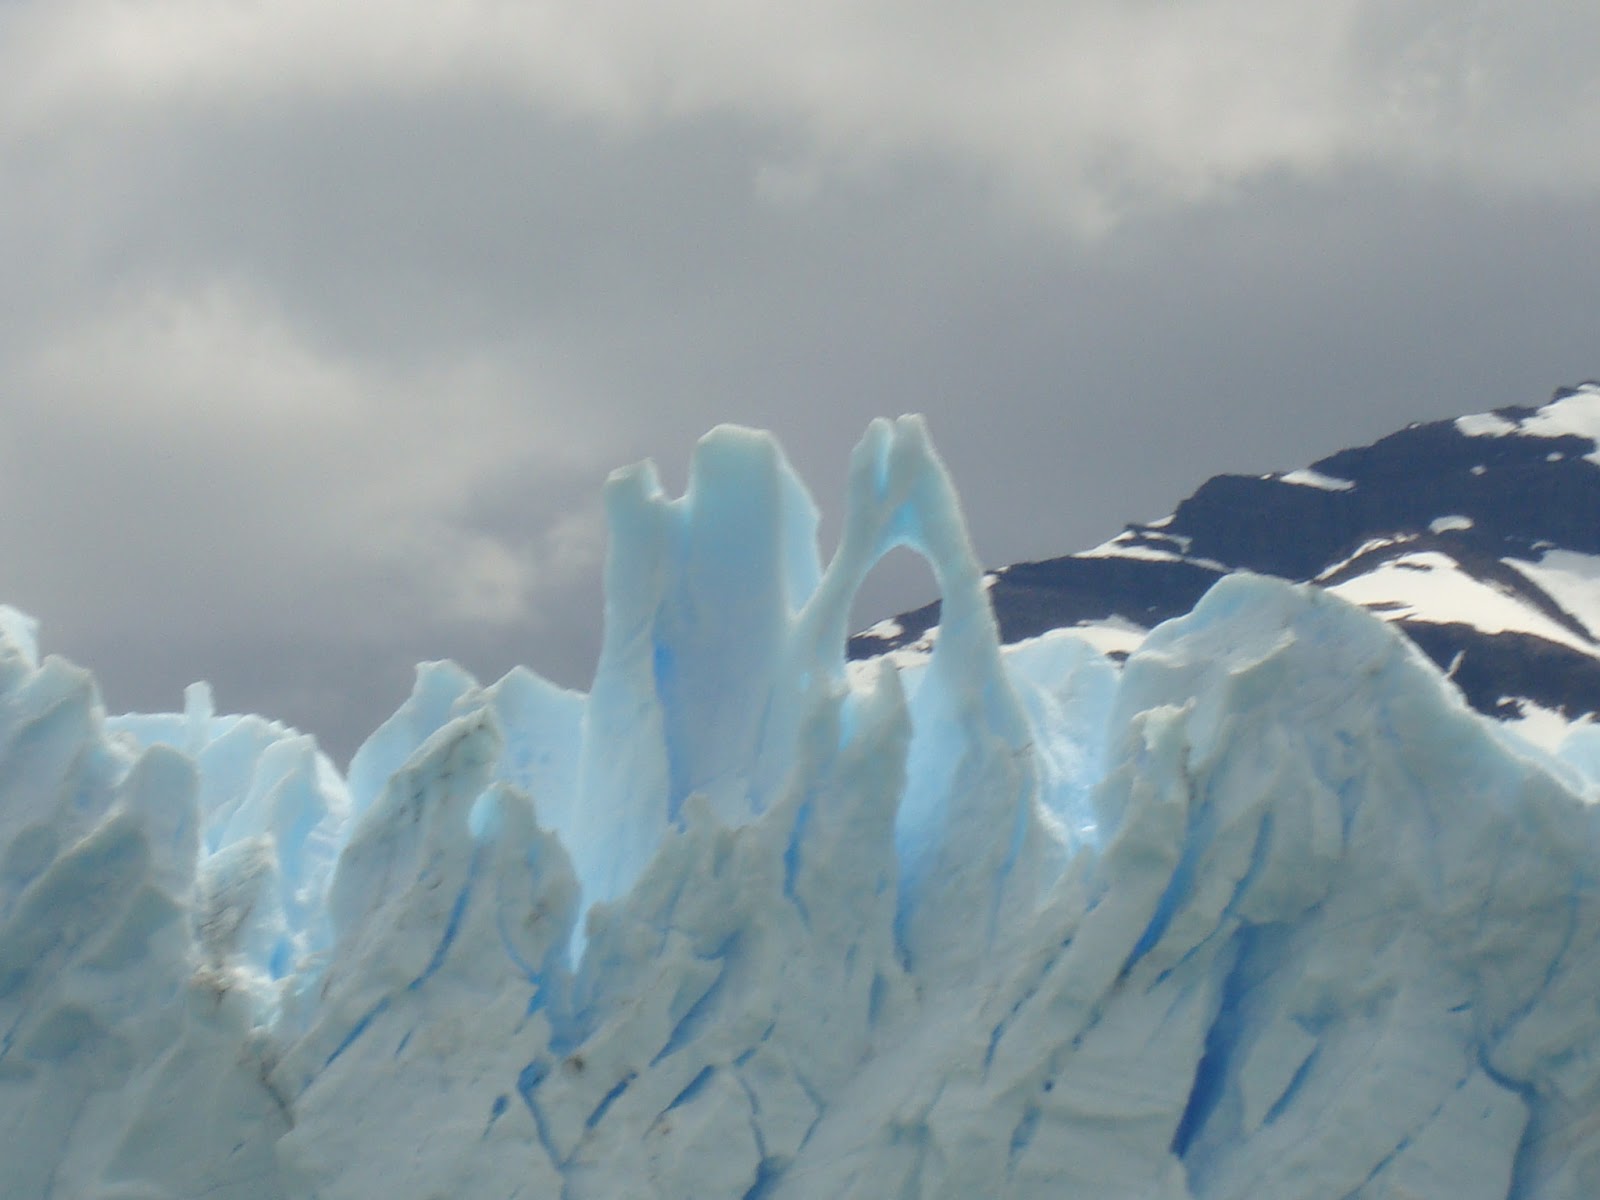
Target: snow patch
x=1306 y=477
x=1485 y=425
x=1571 y=579
x=1431 y=586
x=1538 y=726
x=1122 y=546
x=1367 y=547
x=1131 y=545
x=1574 y=415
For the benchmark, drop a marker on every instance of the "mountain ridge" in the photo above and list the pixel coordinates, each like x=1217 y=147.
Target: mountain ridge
x=1476 y=536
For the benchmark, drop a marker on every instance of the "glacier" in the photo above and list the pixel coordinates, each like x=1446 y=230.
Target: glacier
x=1264 y=911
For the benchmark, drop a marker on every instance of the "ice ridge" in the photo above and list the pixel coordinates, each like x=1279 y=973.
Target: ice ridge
x=1266 y=911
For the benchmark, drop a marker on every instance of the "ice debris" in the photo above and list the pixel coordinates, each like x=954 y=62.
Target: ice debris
x=1266 y=912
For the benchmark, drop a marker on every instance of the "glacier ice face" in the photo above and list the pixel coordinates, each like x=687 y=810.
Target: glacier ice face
x=1264 y=912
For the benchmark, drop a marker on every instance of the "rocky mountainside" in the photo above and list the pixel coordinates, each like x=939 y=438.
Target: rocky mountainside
x=1479 y=537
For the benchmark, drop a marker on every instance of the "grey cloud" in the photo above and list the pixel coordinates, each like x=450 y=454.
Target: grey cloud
x=302 y=383
x=1082 y=112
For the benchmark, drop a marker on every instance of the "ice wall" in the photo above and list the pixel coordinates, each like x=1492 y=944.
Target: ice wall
x=1266 y=912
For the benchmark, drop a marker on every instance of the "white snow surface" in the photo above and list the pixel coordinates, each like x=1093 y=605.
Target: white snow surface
x=1306 y=477
x=1366 y=547
x=1569 y=578
x=1576 y=414
x=1267 y=912
x=1128 y=548
x=1485 y=425
x=1136 y=544
x=1429 y=585
x=1545 y=727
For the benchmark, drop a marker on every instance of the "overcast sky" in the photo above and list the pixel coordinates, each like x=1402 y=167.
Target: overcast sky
x=323 y=321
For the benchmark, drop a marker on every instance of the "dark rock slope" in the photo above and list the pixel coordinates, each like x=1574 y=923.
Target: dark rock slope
x=1479 y=537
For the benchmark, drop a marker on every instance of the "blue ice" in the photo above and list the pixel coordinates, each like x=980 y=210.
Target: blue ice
x=1264 y=912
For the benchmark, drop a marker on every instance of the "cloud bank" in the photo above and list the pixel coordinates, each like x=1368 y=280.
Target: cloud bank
x=322 y=323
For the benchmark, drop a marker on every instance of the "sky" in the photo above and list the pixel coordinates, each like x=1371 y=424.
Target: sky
x=322 y=322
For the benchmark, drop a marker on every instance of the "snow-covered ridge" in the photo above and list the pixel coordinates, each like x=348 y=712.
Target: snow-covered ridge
x=1265 y=912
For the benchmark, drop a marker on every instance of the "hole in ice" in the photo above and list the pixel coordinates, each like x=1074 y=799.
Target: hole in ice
x=900 y=581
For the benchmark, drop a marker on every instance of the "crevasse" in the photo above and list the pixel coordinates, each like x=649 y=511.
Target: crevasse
x=1264 y=912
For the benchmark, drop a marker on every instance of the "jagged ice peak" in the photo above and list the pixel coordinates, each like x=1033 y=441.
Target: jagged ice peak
x=1264 y=911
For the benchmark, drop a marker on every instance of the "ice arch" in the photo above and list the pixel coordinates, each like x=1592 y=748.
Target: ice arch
x=724 y=638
